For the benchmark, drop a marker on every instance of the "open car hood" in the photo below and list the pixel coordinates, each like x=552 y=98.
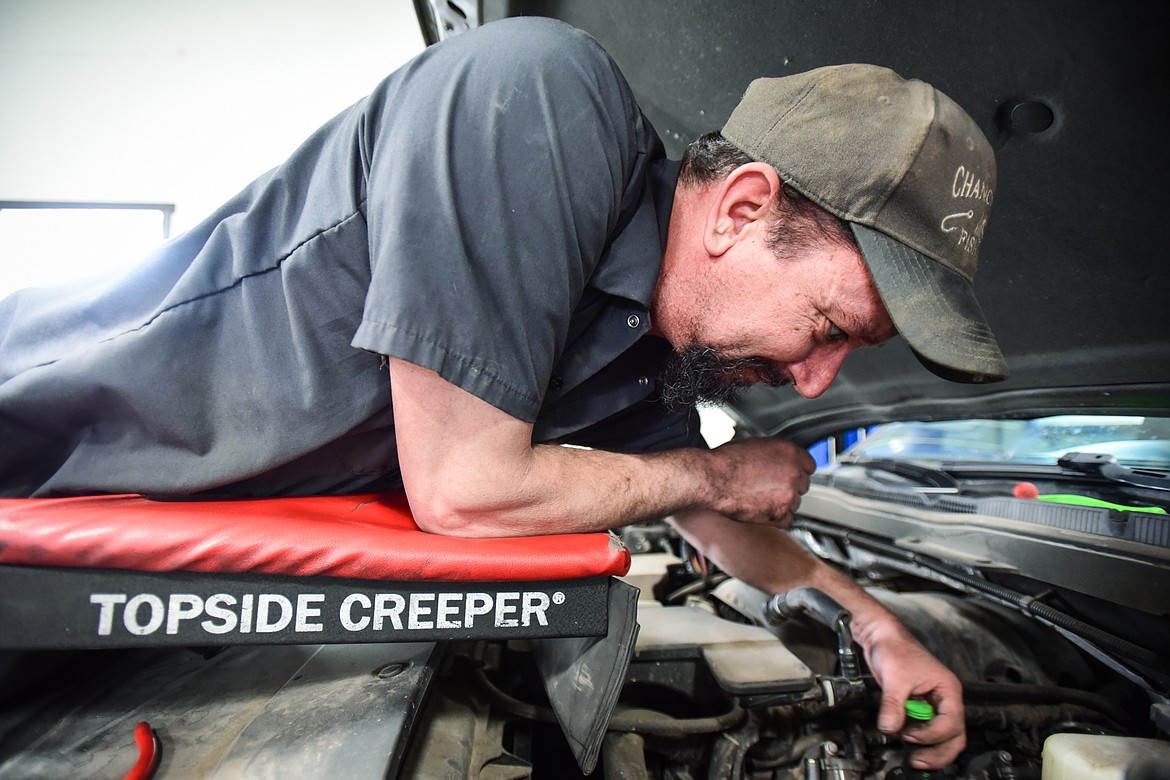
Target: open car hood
x=1073 y=274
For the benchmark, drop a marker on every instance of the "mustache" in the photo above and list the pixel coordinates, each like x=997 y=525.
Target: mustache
x=700 y=375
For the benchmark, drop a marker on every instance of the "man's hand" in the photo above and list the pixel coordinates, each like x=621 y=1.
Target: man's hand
x=905 y=669
x=763 y=480
x=769 y=559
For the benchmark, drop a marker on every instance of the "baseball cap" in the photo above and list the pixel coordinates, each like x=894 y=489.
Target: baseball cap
x=913 y=176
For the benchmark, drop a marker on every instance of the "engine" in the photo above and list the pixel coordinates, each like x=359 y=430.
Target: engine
x=728 y=682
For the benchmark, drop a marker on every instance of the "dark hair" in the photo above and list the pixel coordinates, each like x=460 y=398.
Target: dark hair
x=798 y=223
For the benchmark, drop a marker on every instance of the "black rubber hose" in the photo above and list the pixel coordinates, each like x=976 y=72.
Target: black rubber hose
x=691 y=588
x=729 y=753
x=659 y=724
x=825 y=610
x=1022 y=693
x=1102 y=639
x=623 y=757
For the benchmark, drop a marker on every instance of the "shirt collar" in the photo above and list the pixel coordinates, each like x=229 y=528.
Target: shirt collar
x=634 y=255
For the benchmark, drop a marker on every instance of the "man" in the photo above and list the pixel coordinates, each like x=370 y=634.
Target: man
x=497 y=227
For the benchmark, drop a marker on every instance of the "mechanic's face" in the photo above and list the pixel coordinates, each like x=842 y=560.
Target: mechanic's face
x=752 y=317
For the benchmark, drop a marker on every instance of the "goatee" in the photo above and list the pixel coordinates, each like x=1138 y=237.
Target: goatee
x=699 y=375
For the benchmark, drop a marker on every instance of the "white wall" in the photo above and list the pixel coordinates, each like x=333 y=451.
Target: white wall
x=179 y=101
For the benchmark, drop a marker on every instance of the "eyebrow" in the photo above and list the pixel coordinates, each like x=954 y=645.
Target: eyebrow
x=866 y=332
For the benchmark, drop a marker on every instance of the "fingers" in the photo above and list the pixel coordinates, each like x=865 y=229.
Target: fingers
x=937 y=742
x=939 y=729
x=785 y=512
x=761 y=480
x=942 y=741
x=905 y=669
x=892 y=714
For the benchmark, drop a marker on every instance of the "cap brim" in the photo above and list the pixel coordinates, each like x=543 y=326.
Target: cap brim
x=933 y=308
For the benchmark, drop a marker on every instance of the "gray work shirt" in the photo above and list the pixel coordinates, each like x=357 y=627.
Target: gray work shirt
x=494 y=211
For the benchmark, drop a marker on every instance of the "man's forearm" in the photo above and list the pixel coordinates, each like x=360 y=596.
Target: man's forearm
x=472 y=470
x=562 y=490
x=769 y=559
x=551 y=489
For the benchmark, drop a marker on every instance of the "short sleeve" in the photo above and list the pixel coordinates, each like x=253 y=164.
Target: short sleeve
x=499 y=163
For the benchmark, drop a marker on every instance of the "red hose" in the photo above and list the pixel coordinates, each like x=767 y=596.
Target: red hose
x=148 y=753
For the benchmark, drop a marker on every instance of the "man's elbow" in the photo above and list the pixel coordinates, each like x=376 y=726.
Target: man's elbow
x=474 y=503
x=444 y=517
x=468 y=514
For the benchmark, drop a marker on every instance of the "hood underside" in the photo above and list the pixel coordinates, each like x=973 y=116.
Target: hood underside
x=1073 y=275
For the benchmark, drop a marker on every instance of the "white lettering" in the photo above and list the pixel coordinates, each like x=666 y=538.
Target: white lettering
x=147 y=613
x=106 y=603
x=347 y=620
x=504 y=608
x=448 y=607
x=182 y=606
x=264 y=622
x=215 y=608
x=419 y=610
x=268 y=613
x=304 y=611
x=475 y=604
x=246 y=614
x=394 y=612
x=535 y=603
x=968 y=185
x=130 y=614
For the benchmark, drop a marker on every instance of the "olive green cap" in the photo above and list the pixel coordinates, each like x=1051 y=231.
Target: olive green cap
x=913 y=175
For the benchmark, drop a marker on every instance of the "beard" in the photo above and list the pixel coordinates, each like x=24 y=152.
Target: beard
x=698 y=375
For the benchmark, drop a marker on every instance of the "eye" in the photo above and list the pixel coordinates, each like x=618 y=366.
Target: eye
x=835 y=333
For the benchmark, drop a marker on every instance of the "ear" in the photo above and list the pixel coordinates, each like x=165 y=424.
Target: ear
x=740 y=205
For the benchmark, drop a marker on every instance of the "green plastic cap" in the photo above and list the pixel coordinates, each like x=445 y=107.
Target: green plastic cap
x=919 y=710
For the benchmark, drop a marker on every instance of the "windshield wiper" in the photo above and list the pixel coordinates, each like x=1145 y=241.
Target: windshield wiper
x=1094 y=466
x=936 y=480
x=1106 y=467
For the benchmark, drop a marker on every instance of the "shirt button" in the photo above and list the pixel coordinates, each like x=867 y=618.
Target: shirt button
x=643 y=381
x=634 y=321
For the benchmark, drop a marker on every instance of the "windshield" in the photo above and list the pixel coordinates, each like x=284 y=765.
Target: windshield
x=1134 y=441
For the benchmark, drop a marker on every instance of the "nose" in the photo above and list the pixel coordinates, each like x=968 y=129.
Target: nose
x=812 y=376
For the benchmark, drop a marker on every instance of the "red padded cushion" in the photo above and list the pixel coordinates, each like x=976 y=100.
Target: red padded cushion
x=366 y=536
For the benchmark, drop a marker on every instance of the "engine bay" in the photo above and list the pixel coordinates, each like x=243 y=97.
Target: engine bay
x=720 y=688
